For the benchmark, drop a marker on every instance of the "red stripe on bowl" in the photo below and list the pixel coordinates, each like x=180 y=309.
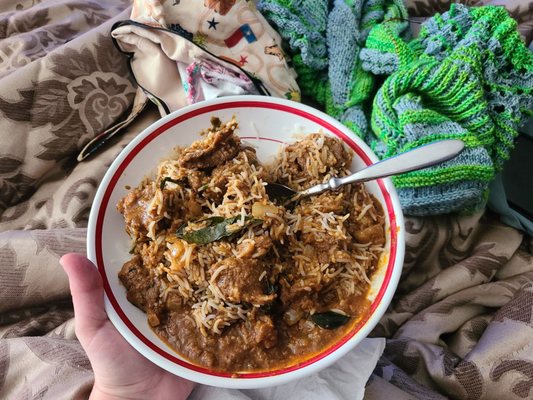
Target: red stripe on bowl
x=209 y=109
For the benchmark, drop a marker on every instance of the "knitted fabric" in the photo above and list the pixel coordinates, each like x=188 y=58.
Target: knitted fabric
x=325 y=44
x=466 y=76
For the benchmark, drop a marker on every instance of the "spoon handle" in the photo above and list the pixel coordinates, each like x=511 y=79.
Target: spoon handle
x=421 y=157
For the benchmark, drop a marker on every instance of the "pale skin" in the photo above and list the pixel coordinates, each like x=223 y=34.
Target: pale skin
x=120 y=372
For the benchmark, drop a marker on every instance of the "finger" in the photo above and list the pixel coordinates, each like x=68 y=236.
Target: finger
x=87 y=295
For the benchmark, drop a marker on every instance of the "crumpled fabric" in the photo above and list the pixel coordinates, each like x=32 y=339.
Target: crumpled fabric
x=230 y=36
x=204 y=80
x=160 y=38
x=459 y=326
x=460 y=323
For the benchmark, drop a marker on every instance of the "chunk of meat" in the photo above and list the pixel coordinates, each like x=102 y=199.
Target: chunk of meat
x=221 y=174
x=353 y=304
x=260 y=330
x=336 y=155
x=196 y=179
x=238 y=280
x=299 y=294
x=340 y=159
x=183 y=333
x=333 y=159
x=219 y=146
x=254 y=248
x=174 y=302
x=321 y=241
x=246 y=248
x=151 y=253
x=192 y=206
x=300 y=306
x=142 y=290
x=370 y=234
x=368 y=228
x=134 y=208
x=262 y=245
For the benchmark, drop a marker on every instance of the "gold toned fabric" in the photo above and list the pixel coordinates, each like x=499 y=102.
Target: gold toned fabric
x=461 y=321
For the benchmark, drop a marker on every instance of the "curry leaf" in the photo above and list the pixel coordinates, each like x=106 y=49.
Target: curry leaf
x=180 y=232
x=329 y=319
x=215 y=229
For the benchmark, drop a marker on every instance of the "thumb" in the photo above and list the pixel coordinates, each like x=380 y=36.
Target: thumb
x=87 y=295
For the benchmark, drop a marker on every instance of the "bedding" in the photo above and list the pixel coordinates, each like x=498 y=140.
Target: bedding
x=461 y=322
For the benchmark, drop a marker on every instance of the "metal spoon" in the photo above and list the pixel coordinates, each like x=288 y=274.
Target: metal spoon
x=421 y=157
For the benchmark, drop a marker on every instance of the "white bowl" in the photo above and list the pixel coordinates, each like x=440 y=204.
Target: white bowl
x=265 y=123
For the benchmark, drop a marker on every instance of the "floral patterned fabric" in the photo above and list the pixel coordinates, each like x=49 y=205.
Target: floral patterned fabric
x=460 y=325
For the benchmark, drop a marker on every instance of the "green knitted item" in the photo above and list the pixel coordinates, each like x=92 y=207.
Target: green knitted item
x=468 y=76
x=326 y=44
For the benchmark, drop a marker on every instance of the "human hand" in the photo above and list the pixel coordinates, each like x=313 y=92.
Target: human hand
x=120 y=372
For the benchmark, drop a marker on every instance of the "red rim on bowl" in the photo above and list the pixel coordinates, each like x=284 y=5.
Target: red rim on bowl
x=210 y=109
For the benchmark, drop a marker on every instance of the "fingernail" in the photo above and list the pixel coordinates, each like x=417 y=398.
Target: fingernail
x=62 y=262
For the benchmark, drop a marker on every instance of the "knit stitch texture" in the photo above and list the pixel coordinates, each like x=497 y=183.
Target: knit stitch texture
x=467 y=76
x=325 y=46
